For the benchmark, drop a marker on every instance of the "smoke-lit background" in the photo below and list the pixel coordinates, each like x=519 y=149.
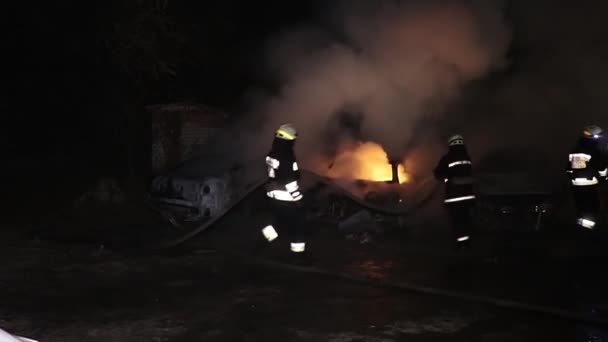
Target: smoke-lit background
x=394 y=68
x=518 y=79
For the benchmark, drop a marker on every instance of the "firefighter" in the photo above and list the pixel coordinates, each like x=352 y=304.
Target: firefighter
x=283 y=192
x=586 y=167
x=455 y=170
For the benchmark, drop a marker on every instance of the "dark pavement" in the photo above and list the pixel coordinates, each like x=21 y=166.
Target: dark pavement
x=82 y=292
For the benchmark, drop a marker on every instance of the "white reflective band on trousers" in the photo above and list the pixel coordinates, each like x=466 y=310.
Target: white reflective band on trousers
x=585 y=223
x=458 y=199
x=460 y=162
x=463 y=238
x=584 y=181
x=6 y=337
x=298 y=247
x=295 y=166
x=604 y=172
x=270 y=233
x=271 y=173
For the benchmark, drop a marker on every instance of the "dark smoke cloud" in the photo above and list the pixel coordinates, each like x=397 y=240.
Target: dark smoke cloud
x=526 y=115
x=393 y=62
x=556 y=84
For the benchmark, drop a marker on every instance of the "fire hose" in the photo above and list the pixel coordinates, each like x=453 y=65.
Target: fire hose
x=320 y=179
x=207 y=224
x=401 y=286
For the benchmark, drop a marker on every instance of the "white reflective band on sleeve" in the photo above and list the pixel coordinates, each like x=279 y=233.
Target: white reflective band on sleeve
x=458 y=199
x=581 y=156
x=283 y=195
x=445 y=180
x=462 y=238
x=585 y=223
x=604 y=172
x=293 y=186
x=295 y=166
x=271 y=173
x=298 y=247
x=584 y=181
x=460 y=162
x=272 y=162
x=269 y=233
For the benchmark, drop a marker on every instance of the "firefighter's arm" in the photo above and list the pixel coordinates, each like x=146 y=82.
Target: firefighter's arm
x=272 y=165
x=602 y=168
x=296 y=170
x=441 y=169
x=598 y=163
x=293 y=186
x=568 y=167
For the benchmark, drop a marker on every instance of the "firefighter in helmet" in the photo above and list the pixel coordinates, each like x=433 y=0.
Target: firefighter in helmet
x=283 y=191
x=586 y=167
x=455 y=170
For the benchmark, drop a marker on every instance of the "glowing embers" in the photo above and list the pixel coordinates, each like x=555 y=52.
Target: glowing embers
x=366 y=161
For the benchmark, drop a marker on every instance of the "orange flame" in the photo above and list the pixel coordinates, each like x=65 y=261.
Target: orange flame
x=366 y=161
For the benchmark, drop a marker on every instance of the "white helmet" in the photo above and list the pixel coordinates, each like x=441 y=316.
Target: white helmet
x=592 y=131
x=287 y=132
x=456 y=139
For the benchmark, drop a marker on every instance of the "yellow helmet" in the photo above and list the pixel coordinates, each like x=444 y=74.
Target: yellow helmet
x=287 y=132
x=592 y=131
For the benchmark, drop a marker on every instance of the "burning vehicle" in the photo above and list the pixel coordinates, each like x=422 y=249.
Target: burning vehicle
x=359 y=178
x=364 y=192
x=358 y=184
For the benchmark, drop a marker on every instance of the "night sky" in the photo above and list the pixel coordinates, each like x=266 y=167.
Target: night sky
x=67 y=76
x=75 y=68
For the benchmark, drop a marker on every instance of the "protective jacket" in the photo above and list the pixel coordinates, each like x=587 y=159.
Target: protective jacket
x=586 y=165
x=455 y=169
x=283 y=172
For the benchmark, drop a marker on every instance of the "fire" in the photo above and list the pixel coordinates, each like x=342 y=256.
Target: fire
x=404 y=177
x=366 y=161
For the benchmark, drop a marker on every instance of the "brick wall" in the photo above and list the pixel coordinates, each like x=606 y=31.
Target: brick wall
x=179 y=129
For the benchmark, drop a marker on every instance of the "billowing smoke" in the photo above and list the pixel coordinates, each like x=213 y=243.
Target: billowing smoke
x=388 y=64
x=555 y=85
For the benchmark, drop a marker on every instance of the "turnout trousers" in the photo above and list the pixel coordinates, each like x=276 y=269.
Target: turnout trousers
x=285 y=220
x=461 y=219
x=586 y=205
